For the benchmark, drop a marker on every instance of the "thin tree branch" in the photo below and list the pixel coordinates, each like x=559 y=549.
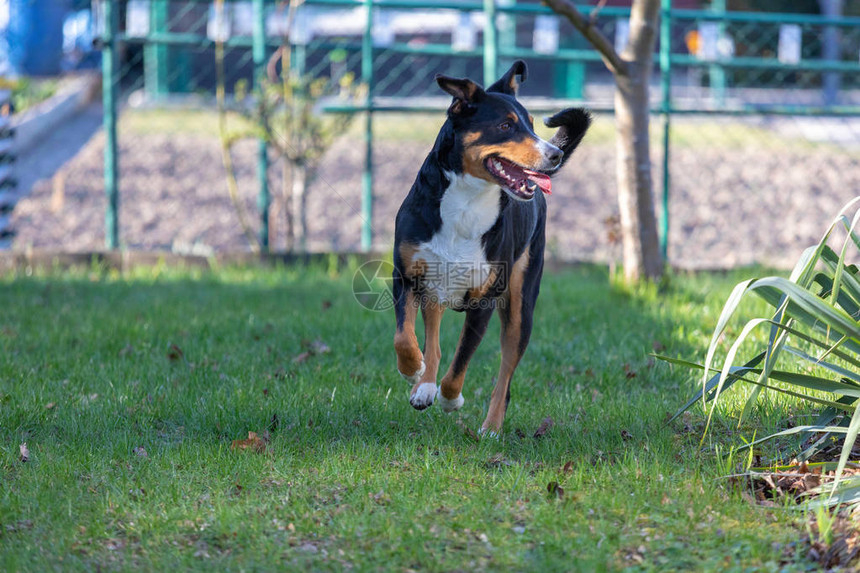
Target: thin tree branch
x=592 y=16
x=607 y=51
x=226 y=157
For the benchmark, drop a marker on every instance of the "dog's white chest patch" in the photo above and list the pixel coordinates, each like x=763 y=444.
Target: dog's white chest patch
x=454 y=258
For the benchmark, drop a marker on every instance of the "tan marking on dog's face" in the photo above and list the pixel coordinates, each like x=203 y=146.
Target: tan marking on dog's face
x=412 y=267
x=524 y=152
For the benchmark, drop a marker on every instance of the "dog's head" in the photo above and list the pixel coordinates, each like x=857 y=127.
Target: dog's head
x=496 y=135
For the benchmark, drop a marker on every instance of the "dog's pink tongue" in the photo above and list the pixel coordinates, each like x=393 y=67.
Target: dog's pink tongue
x=541 y=180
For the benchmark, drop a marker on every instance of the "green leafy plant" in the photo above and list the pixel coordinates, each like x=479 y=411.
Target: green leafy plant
x=814 y=321
x=286 y=111
x=28 y=92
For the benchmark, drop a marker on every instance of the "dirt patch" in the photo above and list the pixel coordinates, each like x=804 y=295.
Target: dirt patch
x=729 y=206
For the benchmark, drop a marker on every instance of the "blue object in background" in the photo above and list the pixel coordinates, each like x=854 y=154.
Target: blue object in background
x=35 y=36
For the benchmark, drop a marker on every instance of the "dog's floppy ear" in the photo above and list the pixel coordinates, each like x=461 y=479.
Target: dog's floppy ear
x=509 y=83
x=465 y=92
x=572 y=123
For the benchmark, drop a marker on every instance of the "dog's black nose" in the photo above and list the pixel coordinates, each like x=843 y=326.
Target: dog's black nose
x=554 y=155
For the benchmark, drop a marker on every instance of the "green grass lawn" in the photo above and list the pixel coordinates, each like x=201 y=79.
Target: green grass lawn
x=129 y=391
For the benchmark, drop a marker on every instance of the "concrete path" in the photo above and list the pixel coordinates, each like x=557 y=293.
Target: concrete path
x=43 y=160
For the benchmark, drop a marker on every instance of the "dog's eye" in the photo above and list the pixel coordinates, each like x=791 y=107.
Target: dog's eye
x=505 y=126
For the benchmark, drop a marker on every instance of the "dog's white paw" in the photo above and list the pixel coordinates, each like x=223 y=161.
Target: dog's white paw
x=423 y=396
x=449 y=406
x=415 y=378
x=487 y=433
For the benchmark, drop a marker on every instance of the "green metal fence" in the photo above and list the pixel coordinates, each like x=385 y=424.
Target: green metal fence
x=736 y=68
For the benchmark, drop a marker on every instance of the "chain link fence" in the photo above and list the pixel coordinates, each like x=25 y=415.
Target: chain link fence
x=755 y=132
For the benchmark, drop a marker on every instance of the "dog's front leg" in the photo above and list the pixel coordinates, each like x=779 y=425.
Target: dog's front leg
x=410 y=362
x=424 y=391
x=451 y=387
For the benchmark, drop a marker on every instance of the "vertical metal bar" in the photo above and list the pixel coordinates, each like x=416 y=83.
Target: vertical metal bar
x=264 y=199
x=367 y=175
x=830 y=51
x=110 y=80
x=156 y=56
x=666 y=108
x=717 y=71
x=491 y=43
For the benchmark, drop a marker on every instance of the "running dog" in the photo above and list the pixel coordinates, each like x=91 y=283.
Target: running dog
x=470 y=235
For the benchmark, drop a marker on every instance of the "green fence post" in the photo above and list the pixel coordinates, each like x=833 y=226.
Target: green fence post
x=264 y=199
x=717 y=72
x=109 y=86
x=491 y=43
x=666 y=108
x=155 y=56
x=367 y=175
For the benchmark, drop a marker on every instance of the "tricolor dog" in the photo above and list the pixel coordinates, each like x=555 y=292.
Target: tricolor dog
x=470 y=235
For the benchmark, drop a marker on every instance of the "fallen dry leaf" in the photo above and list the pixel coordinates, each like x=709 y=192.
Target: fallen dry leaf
x=568 y=467
x=174 y=353
x=319 y=347
x=544 y=427
x=25 y=452
x=467 y=430
x=625 y=435
x=314 y=348
x=555 y=491
x=497 y=461
x=140 y=452
x=50 y=406
x=254 y=443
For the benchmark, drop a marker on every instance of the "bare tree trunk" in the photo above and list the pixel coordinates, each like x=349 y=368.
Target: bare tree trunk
x=641 y=247
x=300 y=220
x=632 y=70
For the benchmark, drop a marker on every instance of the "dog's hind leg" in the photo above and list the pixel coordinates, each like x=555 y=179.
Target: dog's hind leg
x=424 y=391
x=474 y=328
x=410 y=362
x=515 y=311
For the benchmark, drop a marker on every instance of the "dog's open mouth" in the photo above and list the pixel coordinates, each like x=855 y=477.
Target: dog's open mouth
x=517 y=180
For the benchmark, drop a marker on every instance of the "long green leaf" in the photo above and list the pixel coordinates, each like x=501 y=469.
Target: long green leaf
x=806 y=397
x=795 y=430
x=842 y=299
x=850 y=374
x=806 y=306
x=830 y=349
x=736 y=372
x=811 y=382
x=824 y=418
x=850 y=438
x=727 y=312
x=727 y=363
